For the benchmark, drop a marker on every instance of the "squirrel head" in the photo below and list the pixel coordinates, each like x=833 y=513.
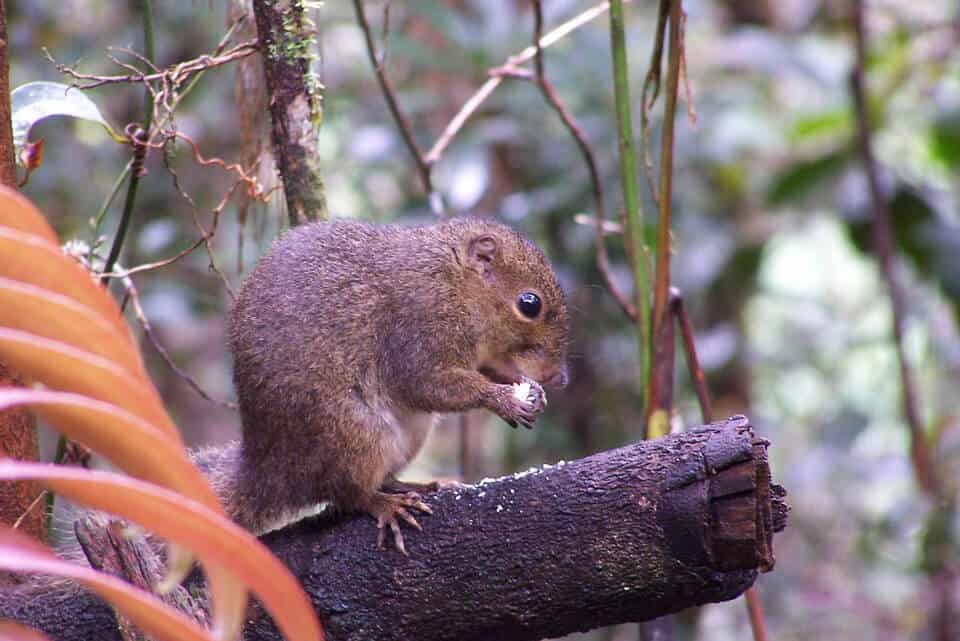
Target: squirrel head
x=514 y=293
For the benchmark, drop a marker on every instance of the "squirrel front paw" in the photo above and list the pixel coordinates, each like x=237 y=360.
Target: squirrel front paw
x=521 y=403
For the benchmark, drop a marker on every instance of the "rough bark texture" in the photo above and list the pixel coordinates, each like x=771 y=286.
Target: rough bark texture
x=18 y=435
x=8 y=167
x=295 y=110
x=18 y=440
x=626 y=535
x=111 y=550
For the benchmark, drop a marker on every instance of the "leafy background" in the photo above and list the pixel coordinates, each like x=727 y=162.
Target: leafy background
x=771 y=241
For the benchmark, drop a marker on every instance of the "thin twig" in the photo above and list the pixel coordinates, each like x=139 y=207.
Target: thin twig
x=693 y=362
x=467 y=110
x=684 y=76
x=255 y=190
x=385 y=33
x=942 y=576
x=145 y=267
x=649 y=93
x=403 y=123
x=176 y=74
x=513 y=62
x=883 y=245
x=138 y=139
x=148 y=330
x=550 y=95
x=755 y=612
x=662 y=275
x=26 y=512
x=206 y=235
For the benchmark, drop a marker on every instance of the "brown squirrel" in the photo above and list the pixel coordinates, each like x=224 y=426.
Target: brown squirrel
x=348 y=339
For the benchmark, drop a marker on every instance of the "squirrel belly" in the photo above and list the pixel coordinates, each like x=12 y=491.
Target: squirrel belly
x=407 y=431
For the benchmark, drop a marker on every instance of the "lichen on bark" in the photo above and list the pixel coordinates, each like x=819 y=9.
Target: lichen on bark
x=286 y=35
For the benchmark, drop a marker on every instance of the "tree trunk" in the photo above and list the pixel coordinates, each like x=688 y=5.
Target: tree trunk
x=626 y=535
x=294 y=94
x=18 y=430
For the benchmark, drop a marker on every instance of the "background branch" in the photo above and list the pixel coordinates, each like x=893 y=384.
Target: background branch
x=939 y=543
x=883 y=246
x=403 y=123
x=497 y=74
x=552 y=99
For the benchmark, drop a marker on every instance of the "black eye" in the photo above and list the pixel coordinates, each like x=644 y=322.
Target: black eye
x=529 y=304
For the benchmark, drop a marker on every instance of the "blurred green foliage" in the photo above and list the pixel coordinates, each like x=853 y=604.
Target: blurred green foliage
x=771 y=241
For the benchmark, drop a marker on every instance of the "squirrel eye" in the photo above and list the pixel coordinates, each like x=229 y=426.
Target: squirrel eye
x=529 y=304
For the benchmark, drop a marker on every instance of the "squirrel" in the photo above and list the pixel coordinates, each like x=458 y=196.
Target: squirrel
x=349 y=339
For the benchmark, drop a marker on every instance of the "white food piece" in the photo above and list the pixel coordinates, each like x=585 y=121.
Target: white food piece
x=521 y=391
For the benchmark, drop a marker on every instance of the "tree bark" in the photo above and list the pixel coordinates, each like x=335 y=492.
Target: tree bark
x=294 y=94
x=625 y=535
x=18 y=433
x=8 y=166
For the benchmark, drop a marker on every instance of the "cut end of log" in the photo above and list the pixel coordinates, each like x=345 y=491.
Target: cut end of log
x=723 y=507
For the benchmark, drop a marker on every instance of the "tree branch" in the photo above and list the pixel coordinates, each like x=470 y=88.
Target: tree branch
x=507 y=68
x=625 y=535
x=883 y=246
x=403 y=123
x=589 y=158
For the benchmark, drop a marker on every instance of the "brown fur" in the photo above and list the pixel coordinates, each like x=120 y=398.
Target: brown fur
x=348 y=337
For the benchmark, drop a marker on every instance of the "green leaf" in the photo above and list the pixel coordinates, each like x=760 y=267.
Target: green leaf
x=800 y=179
x=945 y=140
x=34 y=101
x=835 y=122
x=930 y=242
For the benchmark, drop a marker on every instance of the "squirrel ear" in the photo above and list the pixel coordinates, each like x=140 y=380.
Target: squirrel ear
x=480 y=253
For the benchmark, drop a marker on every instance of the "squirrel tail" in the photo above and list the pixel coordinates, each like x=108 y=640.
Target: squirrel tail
x=241 y=492
x=221 y=465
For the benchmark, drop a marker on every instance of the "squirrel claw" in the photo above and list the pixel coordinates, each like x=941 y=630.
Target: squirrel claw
x=408 y=519
x=387 y=508
x=397 y=536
